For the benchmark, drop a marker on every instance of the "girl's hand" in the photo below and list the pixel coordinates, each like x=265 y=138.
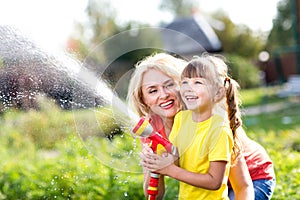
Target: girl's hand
x=145 y=155
x=154 y=162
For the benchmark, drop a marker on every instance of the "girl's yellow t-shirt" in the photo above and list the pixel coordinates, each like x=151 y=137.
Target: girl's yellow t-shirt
x=199 y=143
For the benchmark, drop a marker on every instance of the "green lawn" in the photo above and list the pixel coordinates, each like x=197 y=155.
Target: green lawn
x=258 y=96
x=279 y=133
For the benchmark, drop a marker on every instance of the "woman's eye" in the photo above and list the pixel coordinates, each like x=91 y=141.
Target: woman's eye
x=198 y=82
x=152 y=91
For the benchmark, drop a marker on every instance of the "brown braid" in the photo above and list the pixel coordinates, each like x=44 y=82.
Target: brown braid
x=233 y=112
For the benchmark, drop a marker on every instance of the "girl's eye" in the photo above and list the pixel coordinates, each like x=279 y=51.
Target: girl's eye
x=183 y=82
x=198 y=82
x=170 y=85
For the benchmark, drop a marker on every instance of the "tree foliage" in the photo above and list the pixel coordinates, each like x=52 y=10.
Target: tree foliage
x=178 y=7
x=235 y=39
x=243 y=71
x=282 y=33
x=239 y=39
x=101 y=23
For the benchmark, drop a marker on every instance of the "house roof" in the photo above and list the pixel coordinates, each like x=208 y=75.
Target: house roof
x=190 y=35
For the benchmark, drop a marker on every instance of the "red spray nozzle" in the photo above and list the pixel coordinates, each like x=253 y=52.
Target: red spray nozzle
x=143 y=128
x=159 y=144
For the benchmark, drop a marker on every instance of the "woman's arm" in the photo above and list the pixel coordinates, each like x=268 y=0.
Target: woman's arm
x=240 y=180
x=161 y=184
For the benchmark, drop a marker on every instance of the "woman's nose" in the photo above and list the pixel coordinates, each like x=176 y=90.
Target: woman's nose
x=164 y=92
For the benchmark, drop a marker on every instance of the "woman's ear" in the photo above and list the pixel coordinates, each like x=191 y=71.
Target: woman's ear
x=219 y=94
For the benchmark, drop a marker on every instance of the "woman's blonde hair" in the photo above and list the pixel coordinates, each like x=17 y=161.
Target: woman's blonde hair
x=166 y=63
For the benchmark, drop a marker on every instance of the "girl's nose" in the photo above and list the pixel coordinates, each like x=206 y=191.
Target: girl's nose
x=186 y=87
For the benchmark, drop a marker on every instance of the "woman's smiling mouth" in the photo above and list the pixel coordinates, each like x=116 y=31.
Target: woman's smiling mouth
x=167 y=104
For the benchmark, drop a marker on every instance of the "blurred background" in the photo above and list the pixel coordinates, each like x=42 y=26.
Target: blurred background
x=264 y=34
x=59 y=140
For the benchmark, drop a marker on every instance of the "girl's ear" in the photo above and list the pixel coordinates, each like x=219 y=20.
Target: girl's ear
x=219 y=94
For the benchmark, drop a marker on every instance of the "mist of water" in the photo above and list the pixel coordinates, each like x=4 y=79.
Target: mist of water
x=60 y=76
x=101 y=89
x=27 y=70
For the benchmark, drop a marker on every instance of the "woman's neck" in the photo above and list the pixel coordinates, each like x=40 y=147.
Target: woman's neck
x=168 y=123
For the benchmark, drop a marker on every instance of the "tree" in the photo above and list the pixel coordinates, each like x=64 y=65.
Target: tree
x=282 y=33
x=240 y=44
x=284 y=38
x=243 y=71
x=178 y=7
x=101 y=23
x=101 y=26
x=239 y=39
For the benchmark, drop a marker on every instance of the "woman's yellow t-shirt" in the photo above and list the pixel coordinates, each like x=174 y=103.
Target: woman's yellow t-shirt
x=199 y=143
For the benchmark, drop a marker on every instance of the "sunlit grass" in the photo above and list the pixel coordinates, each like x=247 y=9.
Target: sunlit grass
x=259 y=96
x=278 y=132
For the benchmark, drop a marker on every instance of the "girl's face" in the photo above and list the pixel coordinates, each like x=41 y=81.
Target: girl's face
x=160 y=93
x=196 y=94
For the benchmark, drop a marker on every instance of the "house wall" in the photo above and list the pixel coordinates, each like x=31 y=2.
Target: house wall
x=276 y=73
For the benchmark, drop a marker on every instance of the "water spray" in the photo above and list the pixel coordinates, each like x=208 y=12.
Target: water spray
x=159 y=145
x=74 y=86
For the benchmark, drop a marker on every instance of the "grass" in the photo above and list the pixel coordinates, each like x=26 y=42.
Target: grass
x=278 y=132
x=258 y=96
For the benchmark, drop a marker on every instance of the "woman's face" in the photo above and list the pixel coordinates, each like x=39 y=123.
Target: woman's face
x=160 y=93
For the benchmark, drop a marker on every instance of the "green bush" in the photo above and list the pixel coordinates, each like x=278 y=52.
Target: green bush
x=71 y=172
x=44 y=127
x=97 y=167
x=43 y=157
x=243 y=71
x=50 y=124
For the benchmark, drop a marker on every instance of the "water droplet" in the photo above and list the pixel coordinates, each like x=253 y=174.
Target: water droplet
x=134 y=143
x=286 y=120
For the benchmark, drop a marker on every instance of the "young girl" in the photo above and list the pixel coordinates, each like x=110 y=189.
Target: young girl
x=204 y=139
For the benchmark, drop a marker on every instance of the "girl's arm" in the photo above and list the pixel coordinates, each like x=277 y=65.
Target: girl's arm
x=240 y=180
x=212 y=180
